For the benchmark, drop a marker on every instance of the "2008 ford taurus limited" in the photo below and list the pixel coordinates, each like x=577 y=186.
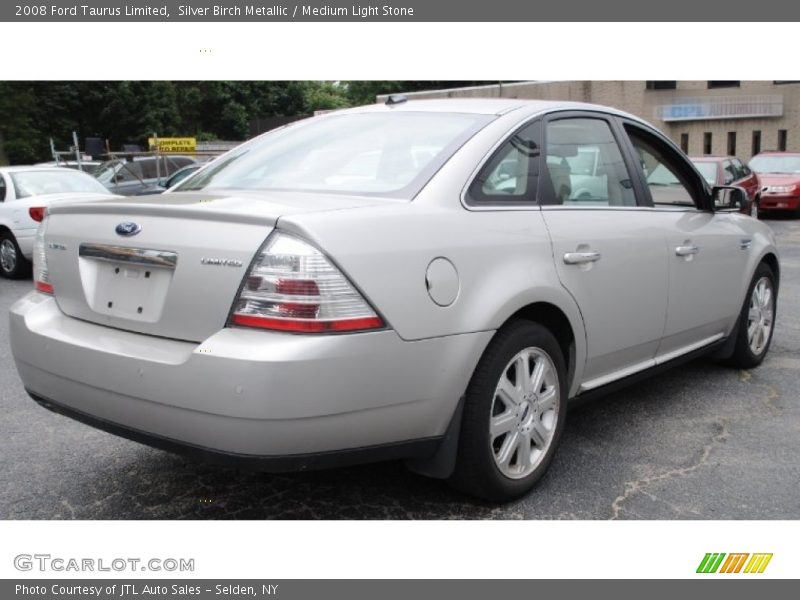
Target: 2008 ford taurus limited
x=430 y=281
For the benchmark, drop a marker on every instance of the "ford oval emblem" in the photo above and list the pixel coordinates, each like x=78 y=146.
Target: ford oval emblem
x=128 y=228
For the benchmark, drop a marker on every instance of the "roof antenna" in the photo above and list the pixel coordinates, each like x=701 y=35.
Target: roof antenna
x=393 y=99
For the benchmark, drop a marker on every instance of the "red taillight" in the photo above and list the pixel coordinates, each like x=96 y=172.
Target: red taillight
x=307 y=326
x=297 y=287
x=37 y=213
x=292 y=286
x=41 y=275
x=44 y=287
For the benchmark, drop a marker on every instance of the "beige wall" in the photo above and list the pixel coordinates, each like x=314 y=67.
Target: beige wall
x=633 y=97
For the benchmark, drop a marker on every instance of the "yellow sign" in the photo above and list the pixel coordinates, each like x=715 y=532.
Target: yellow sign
x=173 y=144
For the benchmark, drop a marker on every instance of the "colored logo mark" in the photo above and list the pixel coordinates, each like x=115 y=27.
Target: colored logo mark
x=719 y=562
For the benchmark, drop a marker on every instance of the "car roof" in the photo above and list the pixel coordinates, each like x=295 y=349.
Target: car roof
x=710 y=158
x=22 y=168
x=775 y=153
x=486 y=106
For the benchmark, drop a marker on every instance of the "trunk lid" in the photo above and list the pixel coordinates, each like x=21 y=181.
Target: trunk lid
x=176 y=264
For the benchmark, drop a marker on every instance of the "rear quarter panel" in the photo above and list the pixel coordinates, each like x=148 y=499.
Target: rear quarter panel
x=503 y=258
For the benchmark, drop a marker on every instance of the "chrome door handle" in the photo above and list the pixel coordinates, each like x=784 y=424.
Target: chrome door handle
x=578 y=258
x=686 y=250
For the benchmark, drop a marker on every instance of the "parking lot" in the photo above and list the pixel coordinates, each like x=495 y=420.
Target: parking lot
x=699 y=442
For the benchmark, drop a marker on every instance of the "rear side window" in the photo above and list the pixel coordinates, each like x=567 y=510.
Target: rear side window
x=129 y=171
x=2 y=189
x=585 y=167
x=149 y=168
x=512 y=174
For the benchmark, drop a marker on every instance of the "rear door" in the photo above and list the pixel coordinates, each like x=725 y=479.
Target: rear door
x=609 y=249
x=706 y=251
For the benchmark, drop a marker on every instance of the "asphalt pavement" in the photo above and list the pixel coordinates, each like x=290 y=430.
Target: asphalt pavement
x=701 y=442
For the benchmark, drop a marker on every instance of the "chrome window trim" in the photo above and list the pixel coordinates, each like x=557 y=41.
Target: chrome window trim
x=504 y=138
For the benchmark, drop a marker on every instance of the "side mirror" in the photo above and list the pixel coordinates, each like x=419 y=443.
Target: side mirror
x=728 y=197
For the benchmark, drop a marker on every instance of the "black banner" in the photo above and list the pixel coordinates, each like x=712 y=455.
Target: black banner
x=399 y=10
x=372 y=589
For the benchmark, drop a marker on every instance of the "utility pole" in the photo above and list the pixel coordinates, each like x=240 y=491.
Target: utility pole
x=77 y=150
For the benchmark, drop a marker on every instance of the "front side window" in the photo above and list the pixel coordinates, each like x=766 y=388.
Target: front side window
x=585 y=166
x=728 y=172
x=668 y=183
x=743 y=169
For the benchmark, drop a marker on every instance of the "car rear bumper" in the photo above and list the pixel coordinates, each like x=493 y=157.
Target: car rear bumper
x=276 y=399
x=779 y=202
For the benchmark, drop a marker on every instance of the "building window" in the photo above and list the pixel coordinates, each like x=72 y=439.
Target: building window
x=782 y=134
x=756 y=143
x=722 y=84
x=685 y=142
x=661 y=85
x=707 y=142
x=731 y=143
x=784 y=82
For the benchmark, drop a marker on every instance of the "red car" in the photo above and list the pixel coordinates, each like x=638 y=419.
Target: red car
x=729 y=170
x=780 y=179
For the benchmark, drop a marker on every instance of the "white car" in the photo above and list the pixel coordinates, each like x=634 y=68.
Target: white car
x=24 y=194
x=407 y=281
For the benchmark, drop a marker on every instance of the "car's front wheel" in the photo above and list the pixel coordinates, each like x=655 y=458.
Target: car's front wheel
x=514 y=413
x=756 y=320
x=12 y=264
x=754 y=208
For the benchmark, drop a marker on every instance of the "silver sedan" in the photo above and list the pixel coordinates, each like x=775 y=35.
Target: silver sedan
x=430 y=281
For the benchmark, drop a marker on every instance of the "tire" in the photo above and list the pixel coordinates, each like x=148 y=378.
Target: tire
x=750 y=351
x=754 y=208
x=12 y=264
x=494 y=466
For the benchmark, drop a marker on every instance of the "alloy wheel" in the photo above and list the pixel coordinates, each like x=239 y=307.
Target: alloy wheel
x=8 y=256
x=524 y=413
x=760 y=315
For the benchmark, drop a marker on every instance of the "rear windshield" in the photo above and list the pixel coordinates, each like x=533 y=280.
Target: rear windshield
x=776 y=164
x=376 y=154
x=56 y=181
x=708 y=170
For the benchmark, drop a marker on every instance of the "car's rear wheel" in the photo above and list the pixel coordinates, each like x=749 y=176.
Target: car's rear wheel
x=514 y=413
x=12 y=264
x=756 y=321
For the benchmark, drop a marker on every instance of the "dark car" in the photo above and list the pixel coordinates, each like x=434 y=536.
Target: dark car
x=780 y=180
x=129 y=178
x=171 y=181
x=729 y=170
